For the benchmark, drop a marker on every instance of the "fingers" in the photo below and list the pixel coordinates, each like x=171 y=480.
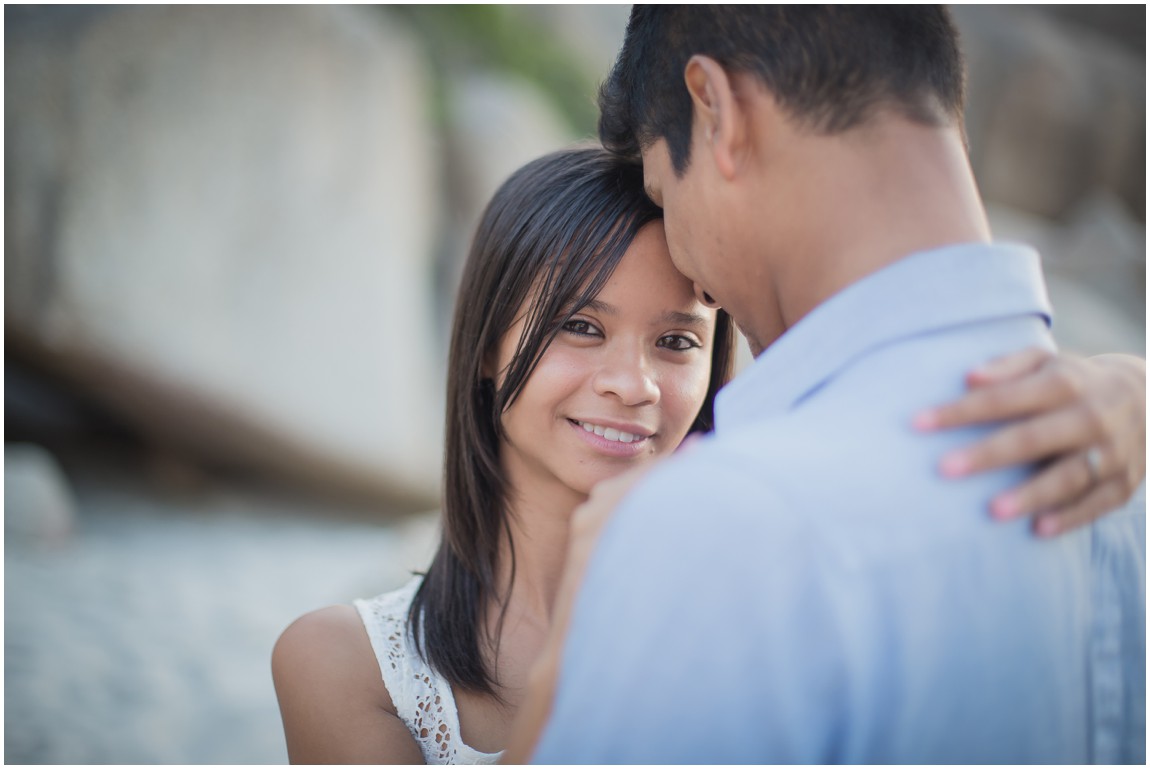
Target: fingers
x=1040 y=391
x=1058 y=410
x=1009 y=367
x=1035 y=439
x=1067 y=479
x=1100 y=500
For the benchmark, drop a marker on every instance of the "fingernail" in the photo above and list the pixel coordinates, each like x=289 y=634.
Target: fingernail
x=926 y=420
x=955 y=465
x=1047 y=526
x=1005 y=506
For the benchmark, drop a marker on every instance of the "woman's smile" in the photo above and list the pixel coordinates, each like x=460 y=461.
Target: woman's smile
x=622 y=440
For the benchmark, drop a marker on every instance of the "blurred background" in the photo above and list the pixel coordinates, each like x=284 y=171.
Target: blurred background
x=232 y=240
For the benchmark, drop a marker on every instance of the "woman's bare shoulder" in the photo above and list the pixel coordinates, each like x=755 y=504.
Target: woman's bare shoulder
x=331 y=645
x=334 y=703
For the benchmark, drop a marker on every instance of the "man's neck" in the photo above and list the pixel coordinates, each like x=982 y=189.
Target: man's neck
x=864 y=200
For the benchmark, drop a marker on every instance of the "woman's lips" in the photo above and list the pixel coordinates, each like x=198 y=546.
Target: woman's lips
x=620 y=440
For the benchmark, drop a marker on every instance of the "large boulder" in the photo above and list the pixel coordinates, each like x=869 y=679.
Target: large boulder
x=495 y=124
x=592 y=33
x=1095 y=266
x=1055 y=112
x=1056 y=120
x=220 y=220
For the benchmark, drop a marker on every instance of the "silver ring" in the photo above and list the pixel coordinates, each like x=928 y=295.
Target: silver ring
x=1094 y=464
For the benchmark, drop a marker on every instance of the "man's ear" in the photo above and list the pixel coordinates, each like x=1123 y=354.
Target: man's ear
x=717 y=113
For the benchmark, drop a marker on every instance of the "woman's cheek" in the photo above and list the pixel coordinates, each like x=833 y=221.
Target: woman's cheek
x=687 y=391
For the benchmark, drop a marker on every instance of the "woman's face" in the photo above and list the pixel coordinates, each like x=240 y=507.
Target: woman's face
x=620 y=384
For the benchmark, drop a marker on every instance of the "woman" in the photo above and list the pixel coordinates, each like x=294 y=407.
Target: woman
x=577 y=353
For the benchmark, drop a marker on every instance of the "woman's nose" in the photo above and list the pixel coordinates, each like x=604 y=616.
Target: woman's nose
x=628 y=375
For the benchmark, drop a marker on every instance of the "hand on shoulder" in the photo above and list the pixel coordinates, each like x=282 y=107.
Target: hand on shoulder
x=335 y=706
x=1083 y=419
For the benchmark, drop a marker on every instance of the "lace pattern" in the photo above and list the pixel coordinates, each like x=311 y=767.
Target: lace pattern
x=422 y=698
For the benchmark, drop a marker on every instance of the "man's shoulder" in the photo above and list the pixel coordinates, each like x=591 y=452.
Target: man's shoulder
x=729 y=486
x=787 y=462
x=1122 y=532
x=732 y=471
x=862 y=489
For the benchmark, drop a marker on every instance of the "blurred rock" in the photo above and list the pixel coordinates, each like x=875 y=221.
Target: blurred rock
x=1104 y=248
x=1122 y=24
x=1095 y=266
x=1087 y=324
x=1055 y=110
x=1056 y=120
x=38 y=500
x=594 y=33
x=497 y=123
x=220 y=221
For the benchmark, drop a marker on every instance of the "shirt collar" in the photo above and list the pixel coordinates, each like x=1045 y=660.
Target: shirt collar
x=923 y=292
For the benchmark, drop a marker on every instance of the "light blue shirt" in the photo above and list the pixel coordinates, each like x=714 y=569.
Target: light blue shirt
x=805 y=587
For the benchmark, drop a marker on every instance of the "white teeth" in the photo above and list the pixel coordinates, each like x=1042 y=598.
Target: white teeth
x=610 y=433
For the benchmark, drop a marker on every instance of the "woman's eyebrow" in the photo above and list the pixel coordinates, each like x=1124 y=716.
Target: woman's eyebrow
x=672 y=316
x=684 y=318
x=601 y=306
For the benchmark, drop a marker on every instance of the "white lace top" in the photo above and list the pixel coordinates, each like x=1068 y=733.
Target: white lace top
x=422 y=698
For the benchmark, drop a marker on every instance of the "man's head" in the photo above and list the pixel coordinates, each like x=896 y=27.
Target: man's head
x=748 y=119
x=829 y=67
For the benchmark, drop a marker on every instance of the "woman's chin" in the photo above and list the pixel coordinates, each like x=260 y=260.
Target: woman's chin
x=587 y=483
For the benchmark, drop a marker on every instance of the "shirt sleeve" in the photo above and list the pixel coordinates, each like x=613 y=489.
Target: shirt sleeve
x=689 y=626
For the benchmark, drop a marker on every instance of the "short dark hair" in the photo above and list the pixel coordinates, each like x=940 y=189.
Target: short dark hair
x=831 y=67
x=552 y=234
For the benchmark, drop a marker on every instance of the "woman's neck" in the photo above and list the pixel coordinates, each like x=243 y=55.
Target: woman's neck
x=539 y=525
x=518 y=618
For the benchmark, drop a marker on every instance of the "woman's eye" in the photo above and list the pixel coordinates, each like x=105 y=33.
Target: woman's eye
x=580 y=328
x=677 y=342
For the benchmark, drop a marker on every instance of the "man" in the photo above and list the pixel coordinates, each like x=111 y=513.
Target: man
x=803 y=586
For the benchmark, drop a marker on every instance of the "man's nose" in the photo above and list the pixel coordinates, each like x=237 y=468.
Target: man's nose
x=704 y=297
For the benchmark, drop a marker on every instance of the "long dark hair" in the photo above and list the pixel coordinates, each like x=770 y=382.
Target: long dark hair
x=554 y=232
